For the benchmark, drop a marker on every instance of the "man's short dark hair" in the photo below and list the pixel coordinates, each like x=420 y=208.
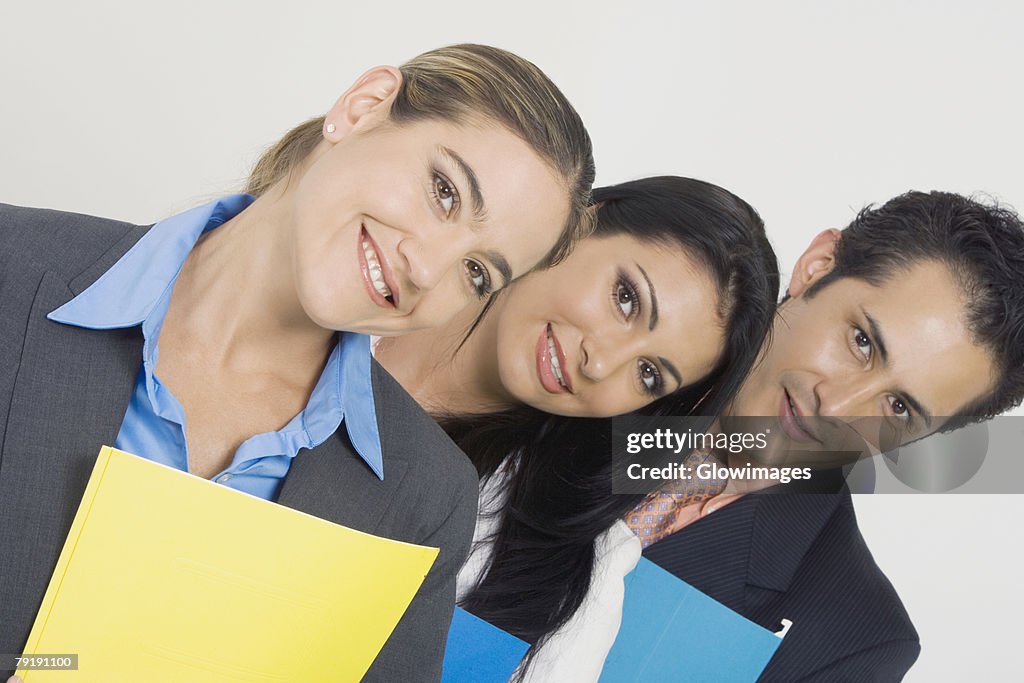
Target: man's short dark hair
x=981 y=243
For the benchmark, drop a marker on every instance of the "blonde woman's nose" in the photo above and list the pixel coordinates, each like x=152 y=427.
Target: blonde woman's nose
x=427 y=261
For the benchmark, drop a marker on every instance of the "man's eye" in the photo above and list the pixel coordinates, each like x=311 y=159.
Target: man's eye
x=624 y=296
x=862 y=342
x=478 y=277
x=445 y=194
x=899 y=408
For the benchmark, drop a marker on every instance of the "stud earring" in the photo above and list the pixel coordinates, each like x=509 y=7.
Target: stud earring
x=330 y=128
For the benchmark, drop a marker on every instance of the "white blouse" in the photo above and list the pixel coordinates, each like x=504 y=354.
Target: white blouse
x=575 y=653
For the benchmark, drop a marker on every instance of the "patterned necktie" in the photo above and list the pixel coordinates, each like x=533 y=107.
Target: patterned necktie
x=654 y=518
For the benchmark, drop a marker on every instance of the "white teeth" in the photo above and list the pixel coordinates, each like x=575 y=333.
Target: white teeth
x=556 y=366
x=376 y=276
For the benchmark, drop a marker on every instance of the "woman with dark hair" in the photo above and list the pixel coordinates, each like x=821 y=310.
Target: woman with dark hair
x=662 y=311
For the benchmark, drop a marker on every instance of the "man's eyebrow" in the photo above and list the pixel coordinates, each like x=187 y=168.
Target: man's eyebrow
x=476 y=197
x=501 y=264
x=672 y=369
x=879 y=341
x=654 y=299
x=876 y=336
x=916 y=406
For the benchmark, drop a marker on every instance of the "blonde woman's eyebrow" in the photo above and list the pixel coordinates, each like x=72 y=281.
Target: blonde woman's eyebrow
x=476 y=197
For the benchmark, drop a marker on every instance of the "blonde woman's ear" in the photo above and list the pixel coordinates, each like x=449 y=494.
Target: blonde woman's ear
x=364 y=105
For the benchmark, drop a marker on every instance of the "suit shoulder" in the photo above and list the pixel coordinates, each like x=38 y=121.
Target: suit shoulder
x=841 y=605
x=846 y=590
x=877 y=597
x=56 y=240
x=414 y=436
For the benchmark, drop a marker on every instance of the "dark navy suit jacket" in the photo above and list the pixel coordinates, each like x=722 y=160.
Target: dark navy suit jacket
x=799 y=556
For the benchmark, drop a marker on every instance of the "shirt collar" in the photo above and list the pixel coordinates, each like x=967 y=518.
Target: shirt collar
x=357 y=397
x=126 y=295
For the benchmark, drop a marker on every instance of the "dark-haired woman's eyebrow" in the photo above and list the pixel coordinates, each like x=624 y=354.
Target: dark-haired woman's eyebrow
x=673 y=370
x=500 y=264
x=653 y=297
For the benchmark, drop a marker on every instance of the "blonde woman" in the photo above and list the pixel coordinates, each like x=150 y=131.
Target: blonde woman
x=220 y=341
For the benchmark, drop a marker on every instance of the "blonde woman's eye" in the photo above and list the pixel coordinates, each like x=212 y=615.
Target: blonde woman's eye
x=479 y=278
x=862 y=342
x=650 y=377
x=624 y=296
x=445 y=194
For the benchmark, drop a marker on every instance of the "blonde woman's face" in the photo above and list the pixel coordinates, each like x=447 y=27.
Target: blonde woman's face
x=399 y=227
x=616 y=325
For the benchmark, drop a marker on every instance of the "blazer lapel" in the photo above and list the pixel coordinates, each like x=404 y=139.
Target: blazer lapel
x=713 y=553
x=70 y=394
x=757 y=542
x=333 y=482
x=784 y=531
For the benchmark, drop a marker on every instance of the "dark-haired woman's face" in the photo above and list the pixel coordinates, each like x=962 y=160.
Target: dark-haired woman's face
x=618 y=324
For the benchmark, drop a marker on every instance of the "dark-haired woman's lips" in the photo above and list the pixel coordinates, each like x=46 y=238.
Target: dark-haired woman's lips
x=551 y=363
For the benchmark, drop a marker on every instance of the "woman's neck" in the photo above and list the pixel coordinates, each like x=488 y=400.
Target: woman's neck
x=235 y=296
x=444 y=377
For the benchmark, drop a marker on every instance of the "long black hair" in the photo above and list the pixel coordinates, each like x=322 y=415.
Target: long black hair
x=556 y=471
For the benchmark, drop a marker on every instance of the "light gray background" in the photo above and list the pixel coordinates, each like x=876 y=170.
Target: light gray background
x=809 y=110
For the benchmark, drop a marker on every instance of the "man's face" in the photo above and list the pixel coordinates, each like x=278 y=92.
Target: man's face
x=859 y=363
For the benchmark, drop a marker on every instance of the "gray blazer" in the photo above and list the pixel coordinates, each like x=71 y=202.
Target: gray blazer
x=63 y=394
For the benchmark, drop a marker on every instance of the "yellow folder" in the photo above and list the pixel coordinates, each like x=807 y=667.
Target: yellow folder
x=168 y=577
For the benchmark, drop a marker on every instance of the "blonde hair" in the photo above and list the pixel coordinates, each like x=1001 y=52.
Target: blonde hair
x=461 y=82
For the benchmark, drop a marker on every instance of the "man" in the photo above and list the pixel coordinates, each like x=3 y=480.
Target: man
x=913 y=316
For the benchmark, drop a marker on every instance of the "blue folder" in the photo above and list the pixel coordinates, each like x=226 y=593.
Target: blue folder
x=478 y=652
x=672 y=632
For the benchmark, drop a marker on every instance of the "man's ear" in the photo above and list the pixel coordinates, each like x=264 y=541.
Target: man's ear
x=365 y=104
x=816 y=262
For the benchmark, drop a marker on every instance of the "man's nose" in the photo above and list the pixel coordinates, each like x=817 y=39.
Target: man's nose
x=856 y=402
x=847 y=396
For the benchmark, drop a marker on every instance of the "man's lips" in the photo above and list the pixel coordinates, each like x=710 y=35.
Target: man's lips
x=546 y=343
x=791 y=420
x=385 y=274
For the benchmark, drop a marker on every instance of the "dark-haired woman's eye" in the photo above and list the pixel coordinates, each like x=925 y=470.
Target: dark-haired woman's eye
x=479 y=278
x=650 y=377
x=625 y=297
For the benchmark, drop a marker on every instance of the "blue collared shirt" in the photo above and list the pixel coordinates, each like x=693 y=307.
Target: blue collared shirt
x=137 y=291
